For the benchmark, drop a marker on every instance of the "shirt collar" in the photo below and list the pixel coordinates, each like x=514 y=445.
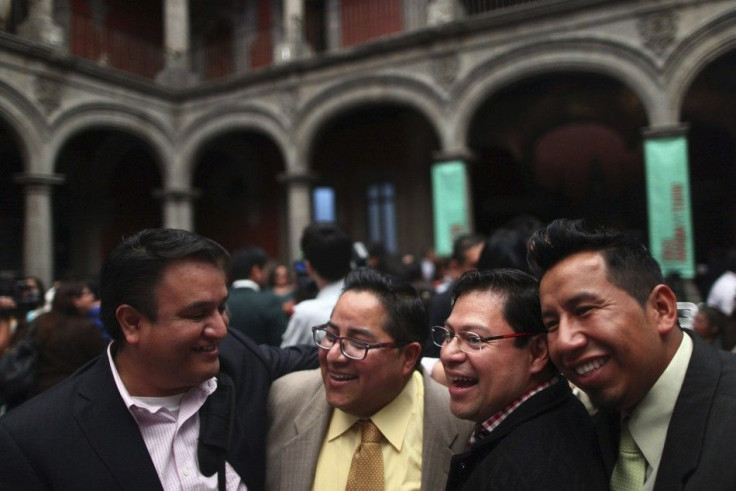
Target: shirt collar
x=650 y=419
x=247 y=284
x=204 y=389
x=392 y=419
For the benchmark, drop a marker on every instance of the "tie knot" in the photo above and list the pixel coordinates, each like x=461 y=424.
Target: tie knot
x=628 y=444
x=370 y=432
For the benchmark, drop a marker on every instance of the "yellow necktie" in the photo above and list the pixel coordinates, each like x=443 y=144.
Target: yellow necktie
x=631 y=466
x=366 y=469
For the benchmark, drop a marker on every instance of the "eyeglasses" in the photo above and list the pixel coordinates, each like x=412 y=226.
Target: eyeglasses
x=352 y=348
x=469 y=342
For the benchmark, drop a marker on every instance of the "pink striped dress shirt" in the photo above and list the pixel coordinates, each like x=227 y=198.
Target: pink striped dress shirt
x=171 y=435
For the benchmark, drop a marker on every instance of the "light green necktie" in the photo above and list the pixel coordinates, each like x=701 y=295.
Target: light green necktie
x=631 y=466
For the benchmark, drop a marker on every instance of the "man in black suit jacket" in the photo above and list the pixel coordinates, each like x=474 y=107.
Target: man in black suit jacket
x=255 y=312
x=495 y=356
x=613 y=331
x=163 y=300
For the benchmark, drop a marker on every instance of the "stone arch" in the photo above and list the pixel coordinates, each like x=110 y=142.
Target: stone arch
x=217 y=122
x=621 y=63
x=695 y=53
x=26 y=122
x=114 y=117
x=339 y=98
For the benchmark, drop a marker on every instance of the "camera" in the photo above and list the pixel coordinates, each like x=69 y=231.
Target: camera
x=25 y=295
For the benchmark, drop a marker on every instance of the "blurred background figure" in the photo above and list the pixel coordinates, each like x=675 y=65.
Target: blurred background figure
x=68 y=339
x=723 y=291
x=281 y=283
x=709 y=323
x=328 y=252
x=254 y=311
x=466 y=250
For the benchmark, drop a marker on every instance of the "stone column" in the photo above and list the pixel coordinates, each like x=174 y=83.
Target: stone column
x=451 y=199
x=444 y=11
x=177 y=70
x=299 y=208
x=668 y=198
x=38 y=231
x=40 y=25
x=292 y=45
x=178 y=207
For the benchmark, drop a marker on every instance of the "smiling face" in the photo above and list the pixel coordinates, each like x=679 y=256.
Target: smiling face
x=600 y=337
x=178 y=350
x=363 y=387
x=483 y=382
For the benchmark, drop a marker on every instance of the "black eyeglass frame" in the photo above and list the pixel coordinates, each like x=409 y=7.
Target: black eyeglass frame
x=365 y=346
x=450 y=335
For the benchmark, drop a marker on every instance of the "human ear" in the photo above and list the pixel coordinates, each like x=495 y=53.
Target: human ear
x=664 y=304
x=129 y=320
x=539 y=353
x=410 y=352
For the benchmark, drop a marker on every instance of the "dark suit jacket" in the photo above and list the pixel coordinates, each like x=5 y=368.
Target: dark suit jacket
x=257 y=314
x=698 y=450
x=80 y=435
x=547 y=443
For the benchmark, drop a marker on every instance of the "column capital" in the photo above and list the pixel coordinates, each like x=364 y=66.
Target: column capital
x=176 y=194
x=445 y=156
x=668 y=131
x=38 y=179
x=296 y=177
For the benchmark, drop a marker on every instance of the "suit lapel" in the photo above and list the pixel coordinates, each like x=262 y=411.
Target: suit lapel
x=111 y=431
x=687 y=426
x=301 y=448
x=441 y=435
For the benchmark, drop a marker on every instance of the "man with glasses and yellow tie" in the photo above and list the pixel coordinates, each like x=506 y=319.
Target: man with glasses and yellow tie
x=367 y=419
x=531 y=432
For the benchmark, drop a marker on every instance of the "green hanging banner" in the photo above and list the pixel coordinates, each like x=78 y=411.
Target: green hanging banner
x=668 y=197
x=450 y=204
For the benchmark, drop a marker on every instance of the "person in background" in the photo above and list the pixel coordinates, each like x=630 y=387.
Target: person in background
x=254 y=311
x=709 y=323
x=281 y=283
x=328 y=251
x=67 y=337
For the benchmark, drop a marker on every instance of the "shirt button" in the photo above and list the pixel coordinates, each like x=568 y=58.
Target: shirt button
x=186 y=472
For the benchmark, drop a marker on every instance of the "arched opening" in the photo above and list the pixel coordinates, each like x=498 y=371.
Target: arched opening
x=110 y=181
x=241 y=201
x=565 y=144
x=11 y=202
x=377 y=159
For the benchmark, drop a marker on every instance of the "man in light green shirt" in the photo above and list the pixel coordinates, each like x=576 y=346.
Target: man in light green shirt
x=369 y=358
x=667 y=399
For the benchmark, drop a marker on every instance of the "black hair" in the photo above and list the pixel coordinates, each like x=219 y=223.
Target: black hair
x=328 y=249
x=519 y=292
x=134 y=267
x=242 y=262
x=629 y=264
x=407 y=320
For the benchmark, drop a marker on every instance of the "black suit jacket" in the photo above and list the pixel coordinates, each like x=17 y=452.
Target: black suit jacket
x=698 y=450
x=547 y=443
x=79 y=434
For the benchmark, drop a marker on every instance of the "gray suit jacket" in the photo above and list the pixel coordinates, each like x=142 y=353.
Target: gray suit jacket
x=299 y=416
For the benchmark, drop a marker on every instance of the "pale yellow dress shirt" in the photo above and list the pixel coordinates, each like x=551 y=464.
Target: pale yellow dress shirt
x=651 y=418
x=401 y=422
